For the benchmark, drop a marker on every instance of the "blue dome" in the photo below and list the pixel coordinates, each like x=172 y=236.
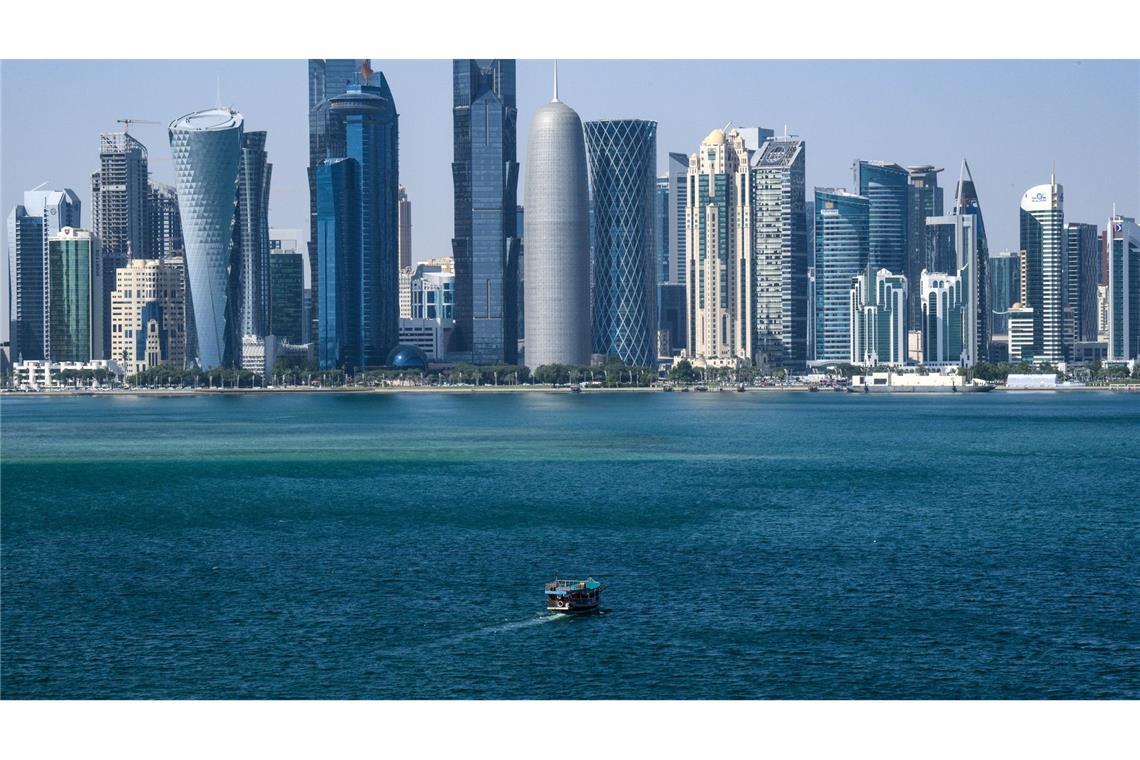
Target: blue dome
x=407 y=357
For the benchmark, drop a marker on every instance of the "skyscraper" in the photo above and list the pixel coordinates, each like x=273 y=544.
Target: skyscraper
x=486 y=244
x=841 y=231
x=924 y=198
x=148 y=314
x=779 y=225
x=623 y=171
x=404 y=245
x=678 y=202
x=966 y=202
x=1081 y=270
x=286 y=286
x=163 y=229
x=1123 y=288
x=661 y=225
x=886 y=188
x=718 y=249
x=252 y=237
x=945 y=309
x=961 y=230
x=358 y=227
x=327 y=79
x=1043 y=240
x=75 y=297
x=44 y=213
x=1004 y=287
x=206 y=148
x=557 y=235
x=878 y=319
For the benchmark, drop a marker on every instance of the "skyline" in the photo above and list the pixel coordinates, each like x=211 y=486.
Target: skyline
x=62 y=150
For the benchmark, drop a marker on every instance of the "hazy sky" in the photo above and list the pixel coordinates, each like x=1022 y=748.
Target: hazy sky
x=1011 y=119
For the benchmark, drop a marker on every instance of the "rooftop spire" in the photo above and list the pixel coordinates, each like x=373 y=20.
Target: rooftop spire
x=555 y=81
x=1053 y=174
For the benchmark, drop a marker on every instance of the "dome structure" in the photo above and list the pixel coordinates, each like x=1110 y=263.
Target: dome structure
x=407 y=357
x=716 y=137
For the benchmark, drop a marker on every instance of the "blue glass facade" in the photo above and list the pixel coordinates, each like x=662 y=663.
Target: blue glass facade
x=661 y=211
x=925 y=199
x=340 y=343
x=842 y=223
x=486 y=245
x=623 y=170
x=886 y=188
x=966 y=202
x=365 y=125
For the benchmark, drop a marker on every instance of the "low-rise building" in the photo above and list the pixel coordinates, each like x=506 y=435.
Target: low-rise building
x=37 y=374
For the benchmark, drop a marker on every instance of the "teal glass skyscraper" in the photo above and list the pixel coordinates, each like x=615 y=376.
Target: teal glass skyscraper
x=340 y=341
x=623 y=170
x=924 y=198
x=841 y=231
x=885 y=186
x=486 y=245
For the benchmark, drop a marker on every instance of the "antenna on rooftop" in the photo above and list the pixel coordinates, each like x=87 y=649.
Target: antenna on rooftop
x=555 y=80
x=37 y=187
x=219 y=89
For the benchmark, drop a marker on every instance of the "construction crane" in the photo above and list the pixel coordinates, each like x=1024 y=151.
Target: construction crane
x=128 y=122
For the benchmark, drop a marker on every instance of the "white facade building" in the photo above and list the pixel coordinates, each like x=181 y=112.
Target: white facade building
x=149 y=298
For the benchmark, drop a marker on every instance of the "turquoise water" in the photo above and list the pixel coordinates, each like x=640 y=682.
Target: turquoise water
x=754 y=545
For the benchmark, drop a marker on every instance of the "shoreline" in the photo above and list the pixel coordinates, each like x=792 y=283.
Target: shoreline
x=180 y=392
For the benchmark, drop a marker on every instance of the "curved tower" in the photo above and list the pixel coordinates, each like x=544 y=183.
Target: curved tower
x=623 y=169
x=206 y=147
x=1042 y=239
x=556 y=294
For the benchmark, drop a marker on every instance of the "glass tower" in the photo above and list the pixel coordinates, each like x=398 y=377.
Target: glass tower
x=780 y=229
x=623 y=169
x=1004 y=284
x=661 y=212
x=75 y=297
x=1042 y=238
x=966 y=203
x=486 y=242
x=286 y=290
x=886 y=188
x=252 y=237
x=340 y=340
x=842 y=221
x=1081 y=269
x=678 y=195
x=1123 y=289
x=925 y=198
x=206 y=148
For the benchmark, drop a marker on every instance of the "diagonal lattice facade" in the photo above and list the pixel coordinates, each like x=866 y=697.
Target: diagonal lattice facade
x=623 y=171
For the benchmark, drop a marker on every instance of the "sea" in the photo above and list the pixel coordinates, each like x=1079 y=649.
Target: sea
x=757 y=545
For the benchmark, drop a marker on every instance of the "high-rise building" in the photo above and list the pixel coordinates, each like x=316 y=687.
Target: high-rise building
x=678 y=202
x=286 y=286
x=404 y=244
x=962 y=232
x=661 y=226
x=1123 y=288
x=1043 y=240
x=623 y=170
x=671 y=320
x=1004 y=289
x=148 y=314
x=360 y=245
x=878 y=319
x=966 y=203
x=163 y=228
x=206 y=147
x=886 y=188
x=754 y=137
x=75 y=302
x=841 y=233
x=557 y=235
x=924 y=198
x=780 y=269
x=718 y=246
x=945 y=309
x=486 y=243
x=1081 y=270
x=327 y=79
x=1102 y=312
x=43 y=214
x=252 y=237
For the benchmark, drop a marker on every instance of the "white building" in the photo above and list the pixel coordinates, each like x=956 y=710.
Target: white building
x=148 y=314
x=878 y=319
x=1043 y=240
x=1021 y=332
x=45 y=374
x=945 y=311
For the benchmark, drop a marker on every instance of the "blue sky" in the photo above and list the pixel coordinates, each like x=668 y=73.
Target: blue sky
x=1011 y=119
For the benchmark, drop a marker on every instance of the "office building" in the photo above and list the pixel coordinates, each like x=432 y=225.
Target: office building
x=1021 y=334
x=206 y=147
x=358 y=241
x=719 y=245
x=841 y=234
x=924 y=198
x=252 y=236
x=623 y=170
x=961 y=230
x=878 y=319
x=1102 y=312
x=486 y=242
x=148 y=314
x=75 y=304
x=327 y=79
x=887 y=190
x=163 y=228
x=754 y=137
x=966 y=203
x=780 y=253
x=557 y=235
x=1080 y=273
x=286 y=287
x=43 y=214
x=945 y=311
x=1043 y=240
x=678 y=202
x=1004 y=289
x=671 y=320
x=661 y=228
x=1123 y=289
x=404 y=242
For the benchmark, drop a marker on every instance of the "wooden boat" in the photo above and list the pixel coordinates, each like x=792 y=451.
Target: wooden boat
x=574 y=595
